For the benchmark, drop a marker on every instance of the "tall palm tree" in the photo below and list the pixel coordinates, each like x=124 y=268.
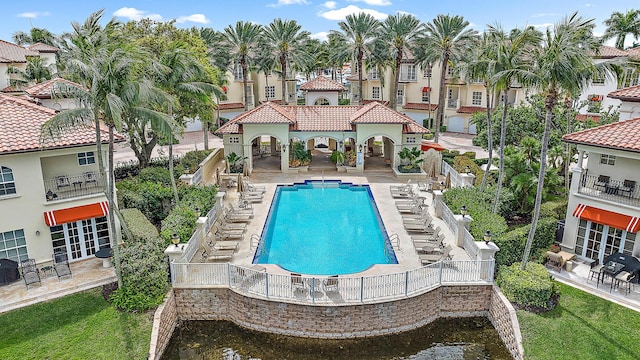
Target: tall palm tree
x=337 y=53
x=561 y=63
x=35 y=35
x=243 y=40
x=35 y=72
x=380 y=59
x=399 y=33
x=359 y=32
x=620 y=25
x=512 y=52
x=286 y=39
x=447 y=39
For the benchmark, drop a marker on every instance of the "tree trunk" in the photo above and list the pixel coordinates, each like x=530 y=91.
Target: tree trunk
x=283 y=65
x=503 y=139
x=360 y=55
x=567 y=104
x=489 y=140
x=441 y=98
x=205 y=136
x=243 y=64
x=99 y=145
x=549 y=103
x=174 y=188
x=394 y=94
x=115 y=244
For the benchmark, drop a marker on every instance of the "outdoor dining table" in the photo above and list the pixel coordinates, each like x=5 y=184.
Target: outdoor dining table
x=612 y=269
x=8 y=271
x=105 y=254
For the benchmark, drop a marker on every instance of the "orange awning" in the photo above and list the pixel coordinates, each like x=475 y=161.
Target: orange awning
x=426 y=89
x=606 y=217
x=431 y=145
x=56 y=217
x=224 y=88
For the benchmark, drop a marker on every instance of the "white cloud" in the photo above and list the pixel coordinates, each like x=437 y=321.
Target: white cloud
x=329 y=4
x=288 y=2
x=545 y=15
x=375 y=2
x=542 y=26
x=406 y=13
x=341 y=14
x=33 y=15
x=196 y=18
x=589 y=5
x=322 y=36
x=135 y=14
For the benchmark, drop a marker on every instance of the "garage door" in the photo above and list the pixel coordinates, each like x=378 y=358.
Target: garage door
x=456 y=124
x=472 y=129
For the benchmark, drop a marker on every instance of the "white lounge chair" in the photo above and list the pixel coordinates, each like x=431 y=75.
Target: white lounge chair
x=432 y=258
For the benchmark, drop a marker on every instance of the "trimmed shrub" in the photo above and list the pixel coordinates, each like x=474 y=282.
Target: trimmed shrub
x=191 y=160
x=512 y=243
x=478 y=205
x=140 y=227
x=181 y=220
x=155 y=174
x=532 y=287
x=153 y=199
x=553 y=209
x=461 y=162
x=344 y=101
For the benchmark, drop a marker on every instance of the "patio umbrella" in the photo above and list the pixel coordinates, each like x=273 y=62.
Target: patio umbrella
x=447 y=181
x=218 y=182
x=245 y=169
x=240 y=186
x=432 y=170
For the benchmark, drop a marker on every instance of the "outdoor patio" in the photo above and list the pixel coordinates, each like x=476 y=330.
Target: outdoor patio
x=87 y=274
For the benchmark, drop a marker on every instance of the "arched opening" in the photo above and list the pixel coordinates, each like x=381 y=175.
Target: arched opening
x=266 y=151
x=322 y=101
x=378 y=153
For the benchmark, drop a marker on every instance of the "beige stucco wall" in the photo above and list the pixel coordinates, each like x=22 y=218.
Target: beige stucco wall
x=25 y=210
x=313 y=96
x=59 y=104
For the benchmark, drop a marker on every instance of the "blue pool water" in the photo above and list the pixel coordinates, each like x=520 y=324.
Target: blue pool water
x=325 y=228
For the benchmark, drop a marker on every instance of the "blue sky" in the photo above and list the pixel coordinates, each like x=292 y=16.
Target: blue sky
x=317 y=17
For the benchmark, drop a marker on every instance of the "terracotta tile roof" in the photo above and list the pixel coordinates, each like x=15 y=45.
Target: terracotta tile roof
x=20 y=123
x=584 y=117
x=228 y=106
x=365 y=102
x=470 y=109
x=43 y=48
x=11 y=89
x=609 y=52
x=355 y=77
x=420 y=106
x=634 y=52
x=10 y=53
x=321 y=118
x=321 y=83
x=627 y=94
x=621 y=135
x=45 y=89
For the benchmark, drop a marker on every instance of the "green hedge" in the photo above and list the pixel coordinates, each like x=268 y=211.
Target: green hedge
x=478 y=205
x=553 y=209
x=153 y=199
x=512 y=244
x=155 y=174
x=531 y=287
x=182 y=219
x=140 y=227
x=191 y=160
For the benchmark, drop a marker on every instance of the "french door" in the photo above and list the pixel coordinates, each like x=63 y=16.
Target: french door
x=80 y=239
x=596 y=241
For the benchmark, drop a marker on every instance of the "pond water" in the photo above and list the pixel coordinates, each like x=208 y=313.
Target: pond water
x=448 y=339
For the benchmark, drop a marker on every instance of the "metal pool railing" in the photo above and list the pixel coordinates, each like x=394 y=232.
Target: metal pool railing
x=449 y=218
x=331 y=290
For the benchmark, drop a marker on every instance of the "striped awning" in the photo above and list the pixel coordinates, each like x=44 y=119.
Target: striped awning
x=606 y=217
x=57 y=217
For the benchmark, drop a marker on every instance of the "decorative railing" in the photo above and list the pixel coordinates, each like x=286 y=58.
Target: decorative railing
x=197 y=177
x=469 y=243
x=454 y=176
x=619 y=191
x=192 y=246
x=331 y=290
x=66 y=187
x=449 y=218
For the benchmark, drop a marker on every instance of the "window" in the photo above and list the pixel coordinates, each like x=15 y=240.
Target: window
x=374 y=74
x=427 y=72
x=607 y=159
x=375 y=92
x=270 y=92
x=13 y=245
x=7 y=184
x=82 y=238
x=595 y=103
x=234 y=140
x=399 y=96
x=476 y=98
x=86 y=158
x=449 y=71
x=408 y=72
x=411 y=140
x=425 y=94
x=238 y=73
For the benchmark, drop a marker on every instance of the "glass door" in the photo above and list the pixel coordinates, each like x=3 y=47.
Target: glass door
x=612 y=241
x=74 y=245
x=90 y=243
x=593 y=241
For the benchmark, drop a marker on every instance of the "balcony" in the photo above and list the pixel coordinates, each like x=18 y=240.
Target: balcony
x=67 y=187
x=406 y=77
x=601 y=186
x=452 y=103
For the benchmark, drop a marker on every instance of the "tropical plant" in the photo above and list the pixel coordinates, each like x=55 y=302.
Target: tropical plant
x=243 y=42
x=35 y=72
x=286 y=40
x=399 y=34
x=338 y=157
x=299 y=156
x=447 y=39
x=561 y=63
x=410 y=158
x=236 y=162
x=359 y=33
x=35 y=35
x=620 y=25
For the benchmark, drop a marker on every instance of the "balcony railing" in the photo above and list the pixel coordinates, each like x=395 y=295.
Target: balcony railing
x=452 y=103
x=408 y=77
x=66 y=187
x=620 y=191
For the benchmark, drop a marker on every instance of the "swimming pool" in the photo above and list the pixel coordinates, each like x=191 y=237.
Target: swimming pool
x=324 y=228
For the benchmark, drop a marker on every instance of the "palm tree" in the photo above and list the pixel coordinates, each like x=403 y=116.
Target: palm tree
x=287 y=41
x=447 y=39
x=35 y=72
x=243 y=41
x=512 y=53
x=561 y=63
x=35 y=35
x=337 y=52
x=399 y=33
x=380 y=59
x=359 y=32
x=620 y=25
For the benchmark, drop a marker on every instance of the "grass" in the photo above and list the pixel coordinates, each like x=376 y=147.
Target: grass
x=582 y=326
x=79 y=326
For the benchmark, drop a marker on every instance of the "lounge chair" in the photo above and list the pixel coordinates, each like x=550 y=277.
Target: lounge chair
x=427 y=259
x=298 y=284
x=217 y=255
x=30 y=273
x=433 y=236
x=222 y=224
x=222 y=234
x=330 y=284
x=430 y=246
x=410 y=205
x=251 y=197
x=61 y=264
x=402 y=193
x=422 y=227
x=230 y=217
x=406 y=186
x=225 y=245
x=253 y=188
x=417 y=220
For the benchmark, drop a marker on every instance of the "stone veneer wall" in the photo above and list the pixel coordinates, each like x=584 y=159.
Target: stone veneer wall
x=504 y=319
x=336 y=321
x=164 y=322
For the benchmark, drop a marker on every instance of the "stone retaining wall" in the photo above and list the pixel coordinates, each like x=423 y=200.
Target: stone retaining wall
x=504 y=319
x=332 y=322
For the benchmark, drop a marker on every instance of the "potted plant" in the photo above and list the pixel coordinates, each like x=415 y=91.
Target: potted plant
x=350 y=158
x=299 y=156
x=410 y=160
x=236 y=163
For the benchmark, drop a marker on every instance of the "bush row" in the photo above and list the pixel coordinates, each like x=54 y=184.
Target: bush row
x=532 y=287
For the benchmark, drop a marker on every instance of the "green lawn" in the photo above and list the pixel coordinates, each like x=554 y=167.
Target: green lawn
x=582 y=326
x=80 y=326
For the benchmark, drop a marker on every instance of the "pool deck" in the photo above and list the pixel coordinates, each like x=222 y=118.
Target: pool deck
x=379 y=184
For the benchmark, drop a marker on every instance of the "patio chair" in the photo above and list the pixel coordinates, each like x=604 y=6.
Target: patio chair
x=402 y=193
x=223 y=235
x=419 y=227
x=436 y=240
x=221 y=223
x=406 y=186
x=628 y=186
x=90 y=178
x=62 y=182
x=596 y=270
x=433 y=258
x=30 y=272
x=417 y=220
x=603 y=181
x=330 y=284
x=218 y=255
x=428 y=236
x=626 y=278
x=253 y=188
x=61 y=264
x=298 y=284
x=554 y=261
